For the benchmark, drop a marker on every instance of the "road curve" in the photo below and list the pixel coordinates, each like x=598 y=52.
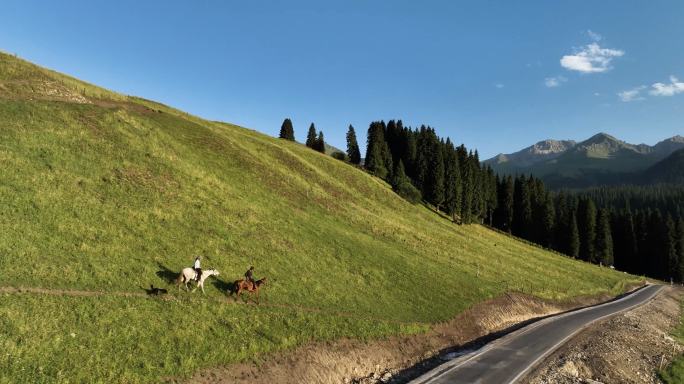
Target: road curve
x=508 y=359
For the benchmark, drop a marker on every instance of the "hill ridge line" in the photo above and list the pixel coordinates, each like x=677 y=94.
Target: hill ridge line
x=70 y=292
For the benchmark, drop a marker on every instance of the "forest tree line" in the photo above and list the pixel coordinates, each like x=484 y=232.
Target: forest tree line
x=582 y=224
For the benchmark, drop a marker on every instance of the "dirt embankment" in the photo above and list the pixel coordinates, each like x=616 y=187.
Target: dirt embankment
x=626 y=348
x=393 y=360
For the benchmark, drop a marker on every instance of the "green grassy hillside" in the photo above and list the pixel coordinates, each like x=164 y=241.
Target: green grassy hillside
x=104 y=192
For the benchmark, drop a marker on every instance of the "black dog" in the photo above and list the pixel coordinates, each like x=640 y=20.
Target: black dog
x=157 y=291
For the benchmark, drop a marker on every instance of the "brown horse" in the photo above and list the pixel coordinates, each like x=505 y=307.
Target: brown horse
x=239 y=285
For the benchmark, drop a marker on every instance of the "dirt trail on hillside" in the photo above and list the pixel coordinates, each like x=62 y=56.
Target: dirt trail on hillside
x=396 y=359
x=218 y=300
x=625 y=348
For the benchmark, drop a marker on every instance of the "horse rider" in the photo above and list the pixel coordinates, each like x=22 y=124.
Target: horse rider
x=197 y=268
x=248 y=277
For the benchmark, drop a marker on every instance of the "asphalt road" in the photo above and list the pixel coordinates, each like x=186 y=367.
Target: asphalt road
x=508 y=359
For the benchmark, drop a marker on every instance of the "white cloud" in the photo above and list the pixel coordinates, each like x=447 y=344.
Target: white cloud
x=594 y=35
x=591 y=58
x=632 y=94
x=499 y=85
x=554 y=81
x=597 y=94
x=668 y=89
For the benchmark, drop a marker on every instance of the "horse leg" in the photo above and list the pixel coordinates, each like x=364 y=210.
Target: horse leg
x=202 y=285
x=256 y=293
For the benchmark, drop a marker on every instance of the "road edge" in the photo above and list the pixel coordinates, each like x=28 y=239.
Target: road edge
x=427 y=377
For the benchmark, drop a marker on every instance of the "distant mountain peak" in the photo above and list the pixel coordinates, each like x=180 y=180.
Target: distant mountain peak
x=543 y=150
x=601 y=137
x=601 y=151
x=670 y=145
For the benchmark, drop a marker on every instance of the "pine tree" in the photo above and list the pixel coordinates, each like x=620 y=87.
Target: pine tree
x=422 y=160
x=401 y=184
x=286 y=130
x=385 y=151
x=311 y=136
x=467 y=185
x=548 y=221
x=563 y=225
x=393 y=139
x=506 y=203
x=526 y=224
x=640 y=230
x=518 y=185
x=491 y=199
x=319 y=144
x=452 y=181
x=679 y=249
x=409 y=154
x=657 y=262
x=573 y=232
x=377 y=153
x=527 y=211
x=615 y=233
x=478 y=203
x=586 y=224
x=625 y=247
x=604 y=240
x=670 y=248
x=353 y=147
x=434 y=188
x=399 y=175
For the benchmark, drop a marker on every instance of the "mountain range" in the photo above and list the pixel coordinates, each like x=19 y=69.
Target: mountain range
x=567 y=159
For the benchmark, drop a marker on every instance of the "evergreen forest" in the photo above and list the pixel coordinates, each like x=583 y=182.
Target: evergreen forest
x=638 y=229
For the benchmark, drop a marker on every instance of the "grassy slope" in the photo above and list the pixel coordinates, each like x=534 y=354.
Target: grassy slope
x=109 y=198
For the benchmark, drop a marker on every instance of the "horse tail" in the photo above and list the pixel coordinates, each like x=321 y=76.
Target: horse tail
x=180 y=279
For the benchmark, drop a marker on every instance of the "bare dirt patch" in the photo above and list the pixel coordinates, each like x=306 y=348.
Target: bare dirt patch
x=626 y=348
x=393 y=360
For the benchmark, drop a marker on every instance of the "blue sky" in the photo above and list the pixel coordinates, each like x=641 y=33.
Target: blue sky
x=495 y=75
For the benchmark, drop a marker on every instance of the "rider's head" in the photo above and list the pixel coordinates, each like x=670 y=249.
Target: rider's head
x=251 y=268
x=199 y=257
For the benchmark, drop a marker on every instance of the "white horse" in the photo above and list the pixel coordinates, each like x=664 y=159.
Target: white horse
x=189 y=274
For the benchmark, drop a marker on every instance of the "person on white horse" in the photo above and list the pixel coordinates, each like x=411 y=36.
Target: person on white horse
x=195 y=273
x=197 y=268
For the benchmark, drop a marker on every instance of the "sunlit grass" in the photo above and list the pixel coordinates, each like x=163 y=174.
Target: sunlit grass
x=104 y=198
x=134 y=340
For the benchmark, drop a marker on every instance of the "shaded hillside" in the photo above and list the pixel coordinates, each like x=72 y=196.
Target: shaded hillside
x=669 y=170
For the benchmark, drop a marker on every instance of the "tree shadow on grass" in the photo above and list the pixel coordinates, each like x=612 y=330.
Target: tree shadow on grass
x=166 y=274
x=442 y=216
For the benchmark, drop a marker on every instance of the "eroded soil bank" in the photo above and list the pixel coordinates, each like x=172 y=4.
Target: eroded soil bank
x=395 y=360
x=626 y=348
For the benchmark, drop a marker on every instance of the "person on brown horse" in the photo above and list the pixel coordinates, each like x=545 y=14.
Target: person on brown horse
x=248 y=277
